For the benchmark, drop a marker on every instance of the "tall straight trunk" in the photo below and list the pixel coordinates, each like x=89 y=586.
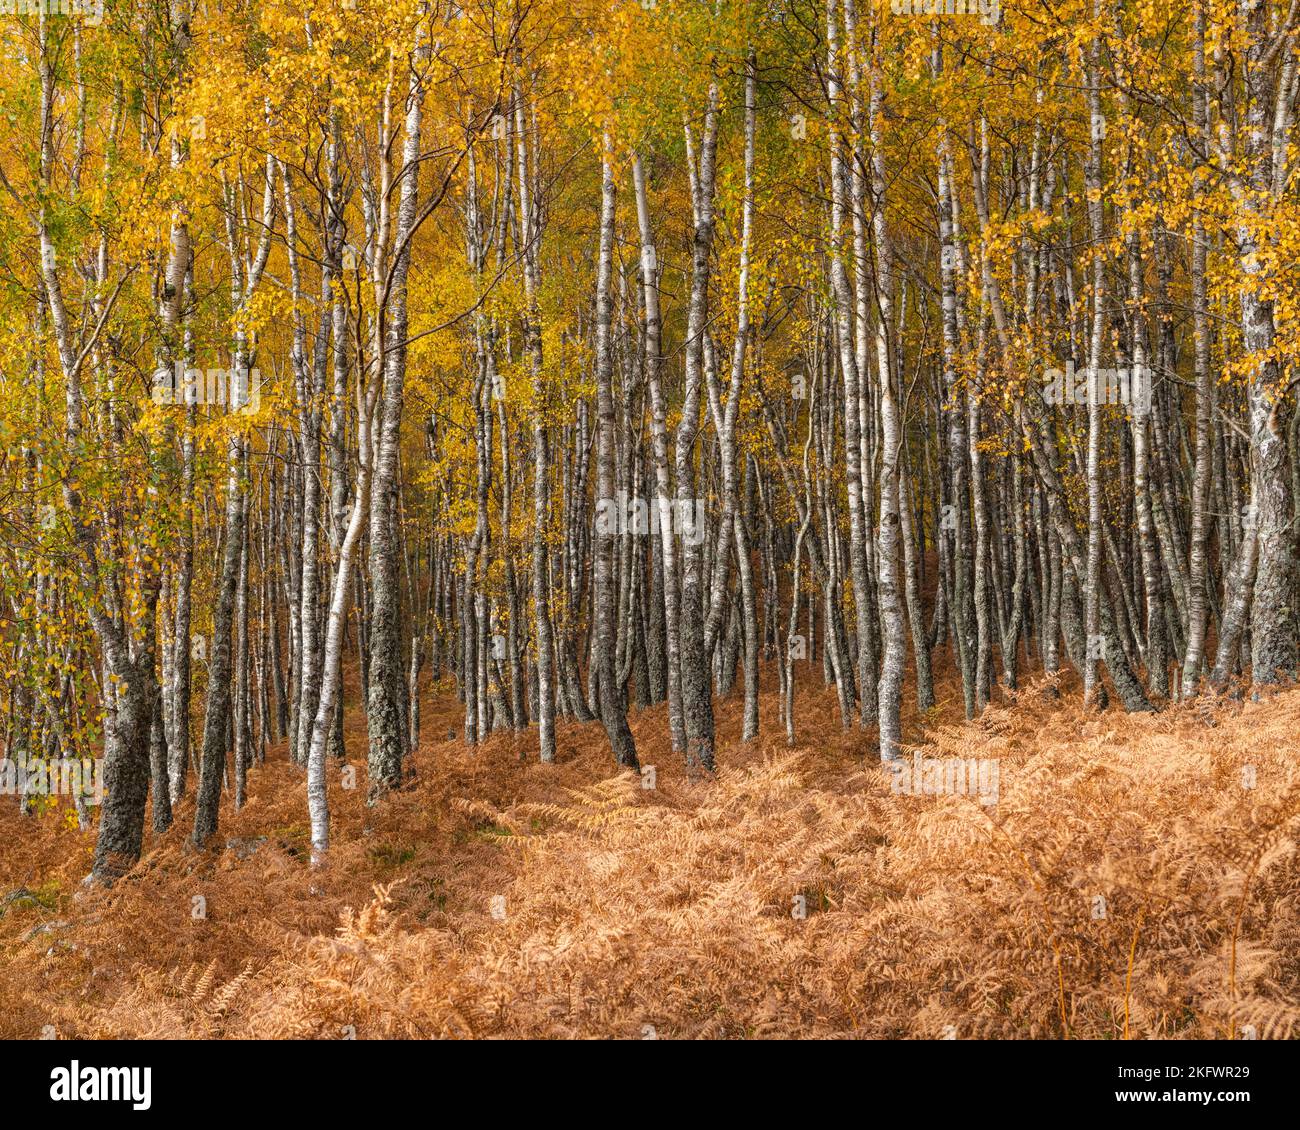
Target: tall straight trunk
x=216 y=717
x=179 y=741
x=530 y=227
x=337 y=444
x=725 y=416
x=912 y=581
x=749 y=607
x=240 y=715
x=518 y=698
x=956 y=523
x=868 y=433
x=1272 y=617
x=980 y=510
x=697 y=703
x=1208 y=481
x=335 y=622
x=310 y=387
x=1238 y=582
x=789 y=653
x=662 y=515
x=1092 y=188
x=175 y=351
x=890 y=691
x=613 y=708
x=1156 y=639
x=844 y=308
x=385 y=713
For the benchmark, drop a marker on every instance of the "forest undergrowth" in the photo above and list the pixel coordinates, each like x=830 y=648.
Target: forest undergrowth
x=1137 y=877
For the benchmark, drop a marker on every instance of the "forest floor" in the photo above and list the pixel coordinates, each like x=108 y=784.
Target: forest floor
x=1137 y=877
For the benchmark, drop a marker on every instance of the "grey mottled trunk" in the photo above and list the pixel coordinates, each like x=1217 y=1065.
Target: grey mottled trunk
x=385 y=704
x=668 y=592
x=890 y=690
x=697 y=704
x=216 y=716
x=613 y=708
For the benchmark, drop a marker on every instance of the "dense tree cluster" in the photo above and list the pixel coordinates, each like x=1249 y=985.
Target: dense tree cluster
x=587 y=355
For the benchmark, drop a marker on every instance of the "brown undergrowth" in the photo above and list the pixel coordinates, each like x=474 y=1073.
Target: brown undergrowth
x=1136 y=878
